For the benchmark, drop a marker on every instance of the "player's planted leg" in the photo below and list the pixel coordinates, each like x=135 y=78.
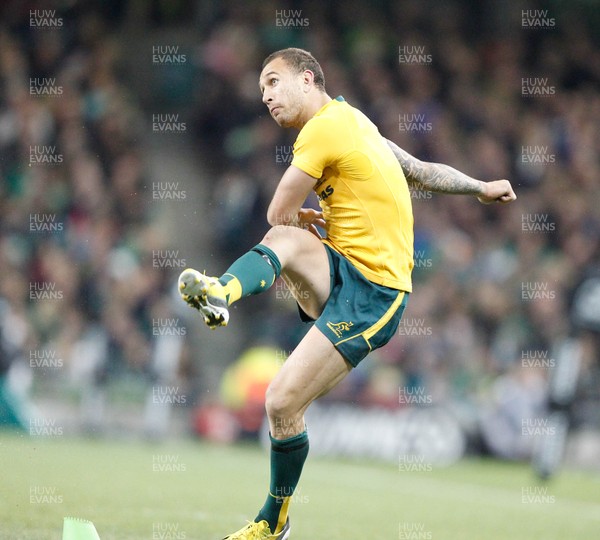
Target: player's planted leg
x=287 y=459
x=311 y=370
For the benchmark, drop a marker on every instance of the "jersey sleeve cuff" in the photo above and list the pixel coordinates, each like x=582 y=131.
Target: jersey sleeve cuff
x=307 y=168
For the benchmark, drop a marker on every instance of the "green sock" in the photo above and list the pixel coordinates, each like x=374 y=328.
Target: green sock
x=253 y=273
x=287 y=458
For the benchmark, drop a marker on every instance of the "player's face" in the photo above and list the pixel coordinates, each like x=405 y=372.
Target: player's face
x=282 y=93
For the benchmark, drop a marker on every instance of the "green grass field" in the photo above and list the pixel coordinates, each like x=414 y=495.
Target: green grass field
x=136 y=490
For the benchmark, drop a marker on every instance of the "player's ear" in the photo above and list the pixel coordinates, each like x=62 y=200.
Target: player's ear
x=308 y=78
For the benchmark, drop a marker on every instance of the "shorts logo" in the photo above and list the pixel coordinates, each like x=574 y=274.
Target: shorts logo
x=339 y=328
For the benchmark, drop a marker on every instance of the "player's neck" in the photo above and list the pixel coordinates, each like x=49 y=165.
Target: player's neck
x=318 y=101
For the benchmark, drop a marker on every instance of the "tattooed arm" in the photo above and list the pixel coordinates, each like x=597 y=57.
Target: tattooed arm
x=444 y=179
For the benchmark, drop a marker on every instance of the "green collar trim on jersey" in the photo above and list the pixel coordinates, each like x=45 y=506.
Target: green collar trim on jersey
x=340 y=98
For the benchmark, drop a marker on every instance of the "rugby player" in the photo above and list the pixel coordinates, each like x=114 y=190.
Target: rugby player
x=354 y=283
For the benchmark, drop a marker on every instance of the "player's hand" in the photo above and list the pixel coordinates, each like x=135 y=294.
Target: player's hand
x=309 y=219
x=497 y=191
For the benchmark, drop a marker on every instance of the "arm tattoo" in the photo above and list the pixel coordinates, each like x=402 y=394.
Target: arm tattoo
x=435 y=176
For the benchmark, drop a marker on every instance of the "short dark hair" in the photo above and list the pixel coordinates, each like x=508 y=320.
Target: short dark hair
x=299 y=60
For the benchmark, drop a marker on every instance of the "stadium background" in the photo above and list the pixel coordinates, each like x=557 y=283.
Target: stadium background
x=133 y=144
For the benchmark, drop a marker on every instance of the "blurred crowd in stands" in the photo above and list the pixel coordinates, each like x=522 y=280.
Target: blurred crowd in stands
x=77 y=233
x=478 y=89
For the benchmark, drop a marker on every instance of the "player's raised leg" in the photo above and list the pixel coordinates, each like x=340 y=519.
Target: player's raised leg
x=253 y=273
x=297 y=253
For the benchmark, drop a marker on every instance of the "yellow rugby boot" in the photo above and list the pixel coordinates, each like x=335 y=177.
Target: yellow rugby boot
x=205 y=294
x=260 y=531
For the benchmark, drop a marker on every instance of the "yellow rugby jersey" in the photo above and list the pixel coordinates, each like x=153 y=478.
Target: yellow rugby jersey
x=362 y=192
